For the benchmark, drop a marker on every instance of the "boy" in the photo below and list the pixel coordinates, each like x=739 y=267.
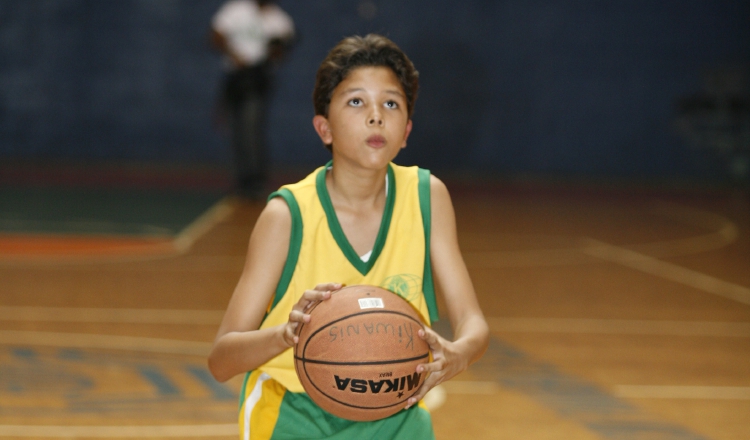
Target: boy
x=359 y=220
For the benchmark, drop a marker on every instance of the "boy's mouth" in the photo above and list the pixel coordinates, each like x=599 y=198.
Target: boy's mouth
x=376 y=141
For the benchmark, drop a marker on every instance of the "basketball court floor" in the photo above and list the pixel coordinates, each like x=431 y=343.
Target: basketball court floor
x=617 y=311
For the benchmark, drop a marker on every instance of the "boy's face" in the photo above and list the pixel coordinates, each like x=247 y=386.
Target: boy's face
x=368 y=120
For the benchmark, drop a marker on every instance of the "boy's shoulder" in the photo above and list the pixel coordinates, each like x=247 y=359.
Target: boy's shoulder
x=407 y=170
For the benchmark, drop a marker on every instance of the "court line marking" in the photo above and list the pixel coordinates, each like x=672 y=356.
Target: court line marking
x=111 y=315
x=167 y=263
x=474 y=387
x=200 y=349
x=723 y=232
x=524 y=258
x=619 y=327
x=109 y=342
x=204 y=223
x=573 y=398
x=498 y=324
x=130 y=343
x=668 y=271
x=434 y=399
x=50 y=431
x=682 y=392
x=179 y=245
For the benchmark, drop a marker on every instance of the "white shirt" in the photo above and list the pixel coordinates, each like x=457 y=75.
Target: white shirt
x=248 y=28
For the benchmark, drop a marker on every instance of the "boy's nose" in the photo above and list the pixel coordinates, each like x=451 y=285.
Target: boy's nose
x=375 y=120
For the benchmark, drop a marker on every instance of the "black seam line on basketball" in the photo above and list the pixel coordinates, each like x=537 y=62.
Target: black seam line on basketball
x=376 y=407
x=397 y=361
x=370 y=312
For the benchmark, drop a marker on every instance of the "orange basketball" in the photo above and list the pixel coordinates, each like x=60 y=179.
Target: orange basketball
x=357 y=356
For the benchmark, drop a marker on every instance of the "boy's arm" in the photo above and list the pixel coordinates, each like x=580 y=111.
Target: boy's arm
x=239 y=345
x=470 y=330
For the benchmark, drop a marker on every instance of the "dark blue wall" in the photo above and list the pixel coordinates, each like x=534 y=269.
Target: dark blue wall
x=521 y=86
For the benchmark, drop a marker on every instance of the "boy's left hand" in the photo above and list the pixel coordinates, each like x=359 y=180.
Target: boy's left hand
x=447 y=361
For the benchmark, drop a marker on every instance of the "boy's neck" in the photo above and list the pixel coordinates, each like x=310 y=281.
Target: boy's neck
x=356 y=187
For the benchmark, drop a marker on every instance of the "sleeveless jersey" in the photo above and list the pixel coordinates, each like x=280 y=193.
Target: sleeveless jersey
x=319 y=252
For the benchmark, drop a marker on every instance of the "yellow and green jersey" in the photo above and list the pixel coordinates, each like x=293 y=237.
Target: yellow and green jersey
x=319 y=252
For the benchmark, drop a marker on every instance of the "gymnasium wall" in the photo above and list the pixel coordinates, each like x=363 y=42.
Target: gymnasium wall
x=566 y=87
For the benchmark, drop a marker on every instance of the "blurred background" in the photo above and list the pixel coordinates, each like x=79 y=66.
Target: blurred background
x=636 y=89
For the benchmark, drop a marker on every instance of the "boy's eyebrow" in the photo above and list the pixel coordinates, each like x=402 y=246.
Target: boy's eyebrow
x=352 y=90
x=361 y=89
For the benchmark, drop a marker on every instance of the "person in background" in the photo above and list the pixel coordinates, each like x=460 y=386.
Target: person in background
x=253 y=36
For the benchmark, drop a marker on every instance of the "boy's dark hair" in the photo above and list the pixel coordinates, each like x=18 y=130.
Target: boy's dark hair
x=371 y=50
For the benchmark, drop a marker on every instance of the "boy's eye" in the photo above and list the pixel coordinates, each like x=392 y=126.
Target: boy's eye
x=391 y=104
x=356 y=102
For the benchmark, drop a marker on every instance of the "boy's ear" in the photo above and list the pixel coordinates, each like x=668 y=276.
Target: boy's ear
x=323 y=129
x=407 y=132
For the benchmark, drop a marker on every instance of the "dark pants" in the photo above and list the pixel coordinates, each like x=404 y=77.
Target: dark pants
x=246 y=98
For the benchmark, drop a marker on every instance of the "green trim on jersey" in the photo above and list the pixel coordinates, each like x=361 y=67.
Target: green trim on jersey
x=338 y=233
x=295 y=243
x=244 y=387
x=425 y=206
x=302 y=418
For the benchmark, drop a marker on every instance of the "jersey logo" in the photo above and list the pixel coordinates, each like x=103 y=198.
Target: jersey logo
x=405 y=285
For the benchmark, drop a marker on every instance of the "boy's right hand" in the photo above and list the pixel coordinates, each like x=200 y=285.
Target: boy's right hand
x=321 y=292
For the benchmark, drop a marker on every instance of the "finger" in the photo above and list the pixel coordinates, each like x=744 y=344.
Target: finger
x=289 y=337
x=310 y=305
x=431 y=382
x=434 y=377
x=296 y=316
x=313 y=296
x=432 y=367
x=309 y=299
x=419 y=396
x=321 y=292
x=329 y=287
x=433 y=339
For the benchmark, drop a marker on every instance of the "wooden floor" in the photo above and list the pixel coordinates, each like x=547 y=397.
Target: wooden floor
x=616 y=313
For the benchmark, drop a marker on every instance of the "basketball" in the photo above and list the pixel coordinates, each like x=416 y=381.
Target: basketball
x=357 y=356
